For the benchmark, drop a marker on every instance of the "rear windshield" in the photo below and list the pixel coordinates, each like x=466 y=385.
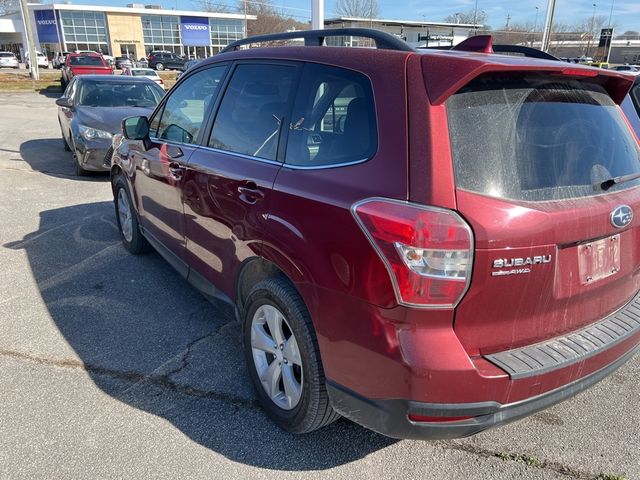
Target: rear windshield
x=144 y=73
x=116 y=94
x=6 y=54
x=538 y=138
x=87 y=61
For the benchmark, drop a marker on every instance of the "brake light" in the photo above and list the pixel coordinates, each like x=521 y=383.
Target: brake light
x=428 y=251
x=580 y=72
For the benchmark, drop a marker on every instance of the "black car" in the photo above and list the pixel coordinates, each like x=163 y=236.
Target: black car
x=90 y=112
x=162 y=60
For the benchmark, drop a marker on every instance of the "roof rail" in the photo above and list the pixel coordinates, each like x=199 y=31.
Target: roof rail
x=383 y=40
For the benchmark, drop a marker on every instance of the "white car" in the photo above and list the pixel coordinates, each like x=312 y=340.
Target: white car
x=630 y=69
x=8 y=59
x=41 y=59
x=146 y=73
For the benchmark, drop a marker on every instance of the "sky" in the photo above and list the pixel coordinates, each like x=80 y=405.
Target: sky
x=626 y=13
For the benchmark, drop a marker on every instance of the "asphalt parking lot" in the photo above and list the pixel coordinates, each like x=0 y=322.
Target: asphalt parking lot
x=111 y=366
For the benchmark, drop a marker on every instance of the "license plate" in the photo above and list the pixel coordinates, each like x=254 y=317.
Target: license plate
x=599 y=259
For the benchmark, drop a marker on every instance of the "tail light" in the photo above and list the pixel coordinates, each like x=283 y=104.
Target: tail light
x=428 y=251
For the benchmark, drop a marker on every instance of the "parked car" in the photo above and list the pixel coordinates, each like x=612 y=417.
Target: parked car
x=430 y=244
x=84 y=64
x=59 y=59
x=164 y=60
x=90 y=112
x=41 y=59
x=124 y=62
x=187 y=65
x=144 y=73
x=8 y=59
x=631 y=69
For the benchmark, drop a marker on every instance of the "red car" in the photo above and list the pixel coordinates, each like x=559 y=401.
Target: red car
x=84 y=64
x=430 y=244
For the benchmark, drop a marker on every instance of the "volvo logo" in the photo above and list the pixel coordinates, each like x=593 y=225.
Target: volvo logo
x=196 y=27
x=46 y=22
x=621 y=216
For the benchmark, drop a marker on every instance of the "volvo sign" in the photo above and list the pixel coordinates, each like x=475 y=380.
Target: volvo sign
x=195 y=31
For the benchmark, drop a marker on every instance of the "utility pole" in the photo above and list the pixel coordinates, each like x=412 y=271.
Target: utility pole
x=548 y=25
x=31 y=46
x=317 y=14
x=535 y=26
x=508 y=20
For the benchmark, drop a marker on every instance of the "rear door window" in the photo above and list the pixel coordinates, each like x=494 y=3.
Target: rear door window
x=538 y=138
x=333 y=120
x=253 y=109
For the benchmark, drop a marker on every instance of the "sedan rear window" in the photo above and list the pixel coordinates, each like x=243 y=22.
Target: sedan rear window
x=538 y=138
x=86 y=61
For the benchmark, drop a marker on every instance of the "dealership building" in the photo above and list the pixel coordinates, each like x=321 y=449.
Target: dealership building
x=133 y=30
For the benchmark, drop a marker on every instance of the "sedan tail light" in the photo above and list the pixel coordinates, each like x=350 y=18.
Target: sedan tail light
x=428 y=251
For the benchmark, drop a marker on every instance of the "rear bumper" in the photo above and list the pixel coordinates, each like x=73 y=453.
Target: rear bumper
x=384 y=364
x=391 y=417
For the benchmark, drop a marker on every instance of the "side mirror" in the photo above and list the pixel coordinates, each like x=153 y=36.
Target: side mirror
x=135 y=128
x=65 y=102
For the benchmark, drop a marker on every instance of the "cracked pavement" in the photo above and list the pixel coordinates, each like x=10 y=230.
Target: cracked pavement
x=112 y=366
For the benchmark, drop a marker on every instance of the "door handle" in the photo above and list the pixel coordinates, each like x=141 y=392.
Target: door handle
x=176 y=170
x=249 y=192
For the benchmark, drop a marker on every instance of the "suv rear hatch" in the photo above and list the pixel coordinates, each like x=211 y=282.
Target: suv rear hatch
x=556 y=248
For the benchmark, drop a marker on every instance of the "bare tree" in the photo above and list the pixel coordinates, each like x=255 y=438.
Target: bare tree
x=358 y=8
x=268 y=19
x=215 y=6
x=479 y=17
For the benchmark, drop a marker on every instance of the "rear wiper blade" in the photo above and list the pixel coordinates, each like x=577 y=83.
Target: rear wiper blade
x=607 y=184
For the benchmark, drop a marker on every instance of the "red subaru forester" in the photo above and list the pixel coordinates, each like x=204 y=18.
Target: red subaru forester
x=428 y=243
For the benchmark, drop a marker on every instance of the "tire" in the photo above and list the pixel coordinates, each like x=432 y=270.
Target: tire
x=311 y=408
x=80 y=172
x=132 y=238
x=67 y=148
x=159 y=66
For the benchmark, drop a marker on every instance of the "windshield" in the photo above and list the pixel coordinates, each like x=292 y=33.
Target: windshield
x=88 y=61
x=144 y=73
x=538 y=138
x=119 y=94
x=6 y=54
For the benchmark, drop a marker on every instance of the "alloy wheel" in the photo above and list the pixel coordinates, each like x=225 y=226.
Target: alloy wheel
x=124 y=215
x=276 y=357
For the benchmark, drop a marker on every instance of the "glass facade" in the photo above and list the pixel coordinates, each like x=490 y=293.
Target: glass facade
x=161 y=32
x=84 y=31
x=225 y=31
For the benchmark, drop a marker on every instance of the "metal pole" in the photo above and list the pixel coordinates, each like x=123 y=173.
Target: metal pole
x=593 y=21
x=244 y=4
x=548 y=25
x=31 y=47
x=611 y=13
x=317 y=14
x=55 y=19
x=475 y=18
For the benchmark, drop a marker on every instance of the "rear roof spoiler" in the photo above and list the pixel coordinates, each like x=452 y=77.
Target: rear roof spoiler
x=446 y=73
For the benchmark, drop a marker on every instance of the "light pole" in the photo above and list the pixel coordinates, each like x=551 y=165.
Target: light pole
x=548 y=25
x=593 y=22
x=475 y=18
x=535 y=25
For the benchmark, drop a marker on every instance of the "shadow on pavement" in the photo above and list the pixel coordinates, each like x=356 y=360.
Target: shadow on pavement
x=47 y=155
x=51 y=92
x=149 y=340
